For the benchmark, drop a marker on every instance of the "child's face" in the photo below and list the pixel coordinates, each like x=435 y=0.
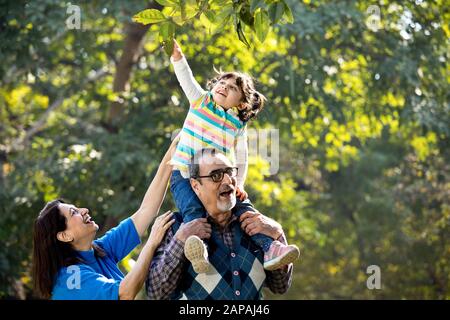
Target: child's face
x=227 y=93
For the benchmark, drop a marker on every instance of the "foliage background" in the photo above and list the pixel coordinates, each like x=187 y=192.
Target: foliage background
x=363 y=118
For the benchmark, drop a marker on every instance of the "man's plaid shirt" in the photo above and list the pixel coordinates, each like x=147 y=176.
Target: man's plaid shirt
x=167 y=265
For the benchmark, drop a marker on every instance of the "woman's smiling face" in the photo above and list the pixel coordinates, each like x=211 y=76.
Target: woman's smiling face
x=81 y=229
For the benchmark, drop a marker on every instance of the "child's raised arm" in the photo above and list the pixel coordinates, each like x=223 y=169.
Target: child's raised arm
x=177 y=53
x=190 y=86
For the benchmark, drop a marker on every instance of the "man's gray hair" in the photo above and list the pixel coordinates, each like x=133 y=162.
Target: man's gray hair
x=194 y=165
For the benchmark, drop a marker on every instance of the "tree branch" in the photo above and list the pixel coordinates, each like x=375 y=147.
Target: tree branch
x=132 y=46
x=19 y=143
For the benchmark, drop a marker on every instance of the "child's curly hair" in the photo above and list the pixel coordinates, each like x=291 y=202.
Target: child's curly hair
x=252 y=100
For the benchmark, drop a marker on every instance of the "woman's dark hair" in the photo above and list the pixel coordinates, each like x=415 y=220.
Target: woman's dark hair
x=252 y=100
x=50 y=254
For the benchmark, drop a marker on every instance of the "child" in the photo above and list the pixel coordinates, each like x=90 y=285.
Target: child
x=218 y=119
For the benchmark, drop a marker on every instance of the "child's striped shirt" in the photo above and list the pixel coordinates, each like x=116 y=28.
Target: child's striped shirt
x=207 y=125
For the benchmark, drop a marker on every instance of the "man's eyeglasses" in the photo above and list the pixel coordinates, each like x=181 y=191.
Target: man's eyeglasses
x=217 y=175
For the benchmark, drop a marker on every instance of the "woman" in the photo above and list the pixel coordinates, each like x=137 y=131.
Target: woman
x=69 y=264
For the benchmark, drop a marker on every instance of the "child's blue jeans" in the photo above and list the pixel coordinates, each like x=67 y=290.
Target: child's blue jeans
x=191 y=207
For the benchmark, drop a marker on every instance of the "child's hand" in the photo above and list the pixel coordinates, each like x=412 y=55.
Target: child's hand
x=255 y=222
x=177 y=54
x=241 y=194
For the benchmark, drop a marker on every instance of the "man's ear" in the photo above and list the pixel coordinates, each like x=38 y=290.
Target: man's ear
x=64 y=236
x=195 y=184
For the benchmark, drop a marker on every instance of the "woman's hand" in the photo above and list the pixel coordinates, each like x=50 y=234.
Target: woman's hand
x=171 y=151
x=160 y=227
x=173 y=145
x=177 y=54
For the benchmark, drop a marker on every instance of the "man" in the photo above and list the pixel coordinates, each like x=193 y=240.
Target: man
x=236 y=270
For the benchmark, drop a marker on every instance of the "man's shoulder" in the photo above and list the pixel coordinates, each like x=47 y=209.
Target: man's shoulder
x=174 y=228
x=178 y=217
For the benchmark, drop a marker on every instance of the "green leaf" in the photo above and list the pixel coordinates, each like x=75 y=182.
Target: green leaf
x=246 y=16
x=183 y=9
x=210 y=15
x=216 y=27
x=221 y=19
x=255 y=4
x=276 y=11
x=205 y=21
x=224 y=13
x=168 y=46
x=185 y=12
x=262 y=24
x=168 y=3
x=287 y=15
x=149 y=16
x=202 y=4
x=219 y=2
x=241 y=34
x=167 y=30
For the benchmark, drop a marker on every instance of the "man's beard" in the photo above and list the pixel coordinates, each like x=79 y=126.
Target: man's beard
x=225 y=206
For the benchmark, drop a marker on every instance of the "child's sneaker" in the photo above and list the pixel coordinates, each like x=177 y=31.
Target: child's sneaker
x=280 y=255
x=196 y=252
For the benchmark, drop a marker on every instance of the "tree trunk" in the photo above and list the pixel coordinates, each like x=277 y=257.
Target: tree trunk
x=132 y=46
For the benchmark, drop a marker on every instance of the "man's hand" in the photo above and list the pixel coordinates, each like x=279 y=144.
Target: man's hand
x=177 y=54
x=198 y=227
x=241 y=194
x=255 y=222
